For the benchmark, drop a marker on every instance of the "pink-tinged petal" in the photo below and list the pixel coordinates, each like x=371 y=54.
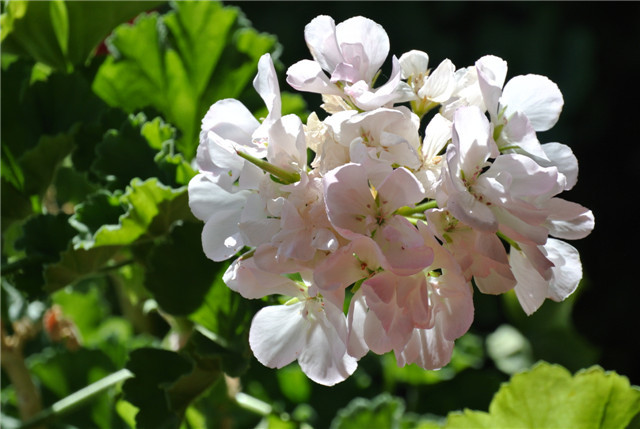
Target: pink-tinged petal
x=474 y=213
x=244 y=277
x=372 y=42
x=523 y=177
x=356 y=317
x=497 y=281
x=531 y=289
x=307 y=75
x=320 y=35
x=568 y=220
x=400 y=188
x=375 y=336
x=351 y=207
x=278 y=333
x=519 y=132
x=472 y=136
x=403 y=247
x=427 y=348
x=567 y=271
x=398 y=328
x=536 y=96
x=324 y=358
x=268 y=258
x=382 y=300
x=451 y=301
x=492 y=72
x=355 y=261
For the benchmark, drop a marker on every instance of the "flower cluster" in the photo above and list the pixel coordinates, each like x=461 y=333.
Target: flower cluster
x=377 y=241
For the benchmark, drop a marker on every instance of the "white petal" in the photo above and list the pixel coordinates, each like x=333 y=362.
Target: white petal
x=569 y=220
x=307 y=75
x=324 y=358
x=531 y=289
x=373 y=39
x=492 y=72
x=440 y=84
x=320 y=35
x=561 y=156
x=244 y=277
x=536 y=96
x=414 y=63
x=277 y=334
x=221 y=238
x=567 y=272
x=206 y=198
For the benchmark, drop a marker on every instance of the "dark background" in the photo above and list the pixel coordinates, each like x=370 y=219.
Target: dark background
x=591 y=50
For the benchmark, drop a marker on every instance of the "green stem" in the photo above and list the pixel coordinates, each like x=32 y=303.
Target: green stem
x=78 y=398
x=511 y=242
x=420 y=208
x=252 y=404
x=283 y=175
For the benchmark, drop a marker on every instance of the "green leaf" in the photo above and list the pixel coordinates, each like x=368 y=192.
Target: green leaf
x=63 y=372
x=548 y=396
x=384 y=411
x=178 y=273
x=165 y=383
x=152 y=210
x=151 y=143
x=226 y=317
x=173 y=63
x=75 y=265
x=63 y=34
x=117 y=150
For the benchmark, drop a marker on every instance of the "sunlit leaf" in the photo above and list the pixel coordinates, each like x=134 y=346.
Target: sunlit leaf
x=384 y=411
x=171 y=63
x=548 y=396
x=63 y=34
x=152 y=210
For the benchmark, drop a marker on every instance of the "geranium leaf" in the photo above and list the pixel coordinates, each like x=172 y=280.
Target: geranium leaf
x=63 y=34
x=152 y=209
x=170 y=62
x=226 y=317
x=382 y=411
x=154 y=371
x=167 y=264
x=548 y=396
x=76 y=264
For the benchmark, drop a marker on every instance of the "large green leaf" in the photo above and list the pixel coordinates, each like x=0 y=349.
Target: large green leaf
x=153 y=208
x=384 y=411
x=155 y=371
x=175 y=292
x=548 y=396
x=151 y=143
x=63 y=34
x=174 y=64
x=226 y=317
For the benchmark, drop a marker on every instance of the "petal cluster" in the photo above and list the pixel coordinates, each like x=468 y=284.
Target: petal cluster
x=420 y=190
